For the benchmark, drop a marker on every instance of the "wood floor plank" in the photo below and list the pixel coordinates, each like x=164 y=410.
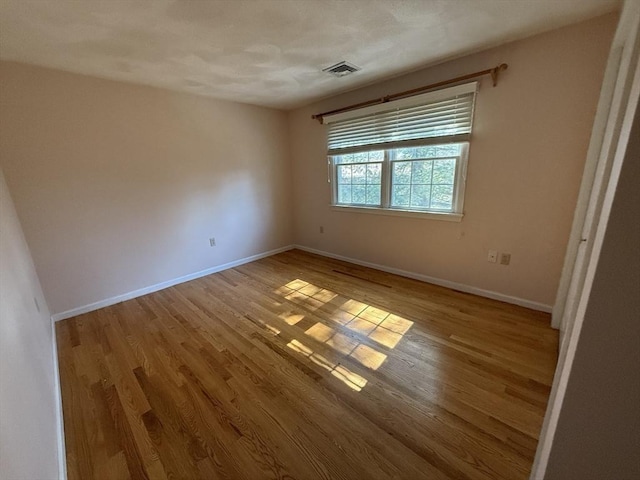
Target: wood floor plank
x=302 y=367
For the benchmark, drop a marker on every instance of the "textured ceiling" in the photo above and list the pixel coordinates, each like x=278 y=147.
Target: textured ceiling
x=267 y=52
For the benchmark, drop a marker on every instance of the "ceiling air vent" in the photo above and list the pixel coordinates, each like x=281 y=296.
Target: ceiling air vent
x=341 y=69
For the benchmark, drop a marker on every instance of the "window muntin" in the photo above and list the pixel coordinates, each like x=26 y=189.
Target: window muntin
x=421 y=179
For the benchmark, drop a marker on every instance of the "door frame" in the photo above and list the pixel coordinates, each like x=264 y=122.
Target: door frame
x=612 y=127
x=614 y=97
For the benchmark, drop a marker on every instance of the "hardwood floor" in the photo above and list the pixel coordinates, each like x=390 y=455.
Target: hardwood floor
x=299 y=366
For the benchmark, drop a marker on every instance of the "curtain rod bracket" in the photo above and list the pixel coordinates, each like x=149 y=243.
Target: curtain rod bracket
x=495 y=72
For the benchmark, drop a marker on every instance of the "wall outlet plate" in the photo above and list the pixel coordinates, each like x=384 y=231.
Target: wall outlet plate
x=505 y=258
x=493 y=256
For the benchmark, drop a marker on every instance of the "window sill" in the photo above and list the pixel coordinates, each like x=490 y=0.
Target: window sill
x=444 y=216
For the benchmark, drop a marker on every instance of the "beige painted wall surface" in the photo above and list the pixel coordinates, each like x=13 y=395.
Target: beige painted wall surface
x=28 y=435
x=119 y=187
x=529 y=144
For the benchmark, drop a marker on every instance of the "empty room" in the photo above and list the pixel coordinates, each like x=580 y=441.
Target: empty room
x=319 y=239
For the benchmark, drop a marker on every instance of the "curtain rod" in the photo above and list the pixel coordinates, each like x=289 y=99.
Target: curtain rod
x=494 y=72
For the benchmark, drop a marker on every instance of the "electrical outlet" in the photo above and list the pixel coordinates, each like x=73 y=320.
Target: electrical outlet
x=212 y=241
x=505 y=258
x=321 y=229
x=493 y=256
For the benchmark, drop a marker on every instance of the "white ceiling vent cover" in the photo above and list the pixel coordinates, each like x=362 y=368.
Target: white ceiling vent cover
x=341 y=69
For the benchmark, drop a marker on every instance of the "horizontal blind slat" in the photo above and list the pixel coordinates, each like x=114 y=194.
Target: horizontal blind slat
x=400 y=116
x=455 y=119
x=421 y=109
x=415 y=133
x=416 y=142
x=451 y=117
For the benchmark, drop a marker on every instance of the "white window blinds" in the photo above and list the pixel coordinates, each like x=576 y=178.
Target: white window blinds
x=437 y=117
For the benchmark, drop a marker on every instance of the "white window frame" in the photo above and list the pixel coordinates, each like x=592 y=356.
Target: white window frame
x=385 y=207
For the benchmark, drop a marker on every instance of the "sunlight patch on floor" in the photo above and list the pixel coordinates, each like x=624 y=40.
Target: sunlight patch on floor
x=349 y=378
x=363 y=354
x=291 y=318
x=379 y=325
x=383 y=327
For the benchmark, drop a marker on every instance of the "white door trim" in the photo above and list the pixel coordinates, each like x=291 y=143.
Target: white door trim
x=614 y=96
x=629 y=28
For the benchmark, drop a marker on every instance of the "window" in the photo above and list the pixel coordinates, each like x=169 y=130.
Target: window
x=404 y=156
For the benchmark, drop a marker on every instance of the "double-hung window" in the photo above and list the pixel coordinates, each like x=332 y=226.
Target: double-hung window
x=409 y=155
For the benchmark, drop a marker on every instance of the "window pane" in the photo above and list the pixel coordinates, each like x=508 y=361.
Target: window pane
x=404 y=154
x=401 y=173
x=344 y=194
x=359 y=174
x=361 y=157
x=359 y=194
x=343 y=158
x=420 y=196
x=376 y=156
x=439 y=151
x=427 y=152
x=344 y=174
x=373 y=194
x=444 y=171
x=421 y=172
x=420 y=178
x=359 y=181
x=400 y=196
x=374 y=173
x=442 y=197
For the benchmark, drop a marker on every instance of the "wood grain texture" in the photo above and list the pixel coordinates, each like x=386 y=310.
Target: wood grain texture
x=298 y=366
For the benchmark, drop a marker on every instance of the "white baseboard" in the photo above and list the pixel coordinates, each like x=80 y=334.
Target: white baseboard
x=404 y=273
x=436 y=281
x=160 y=286
x=62 y=450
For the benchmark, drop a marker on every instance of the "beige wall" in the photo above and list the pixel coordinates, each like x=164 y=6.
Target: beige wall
x=530 y=140
x=119 y=187
x=598 y=432
x=28 y=409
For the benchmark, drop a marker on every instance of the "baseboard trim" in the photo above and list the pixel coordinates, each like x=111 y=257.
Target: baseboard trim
x=436 y=281
x=160 y=286
x=62 y=449
x=404 y=273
